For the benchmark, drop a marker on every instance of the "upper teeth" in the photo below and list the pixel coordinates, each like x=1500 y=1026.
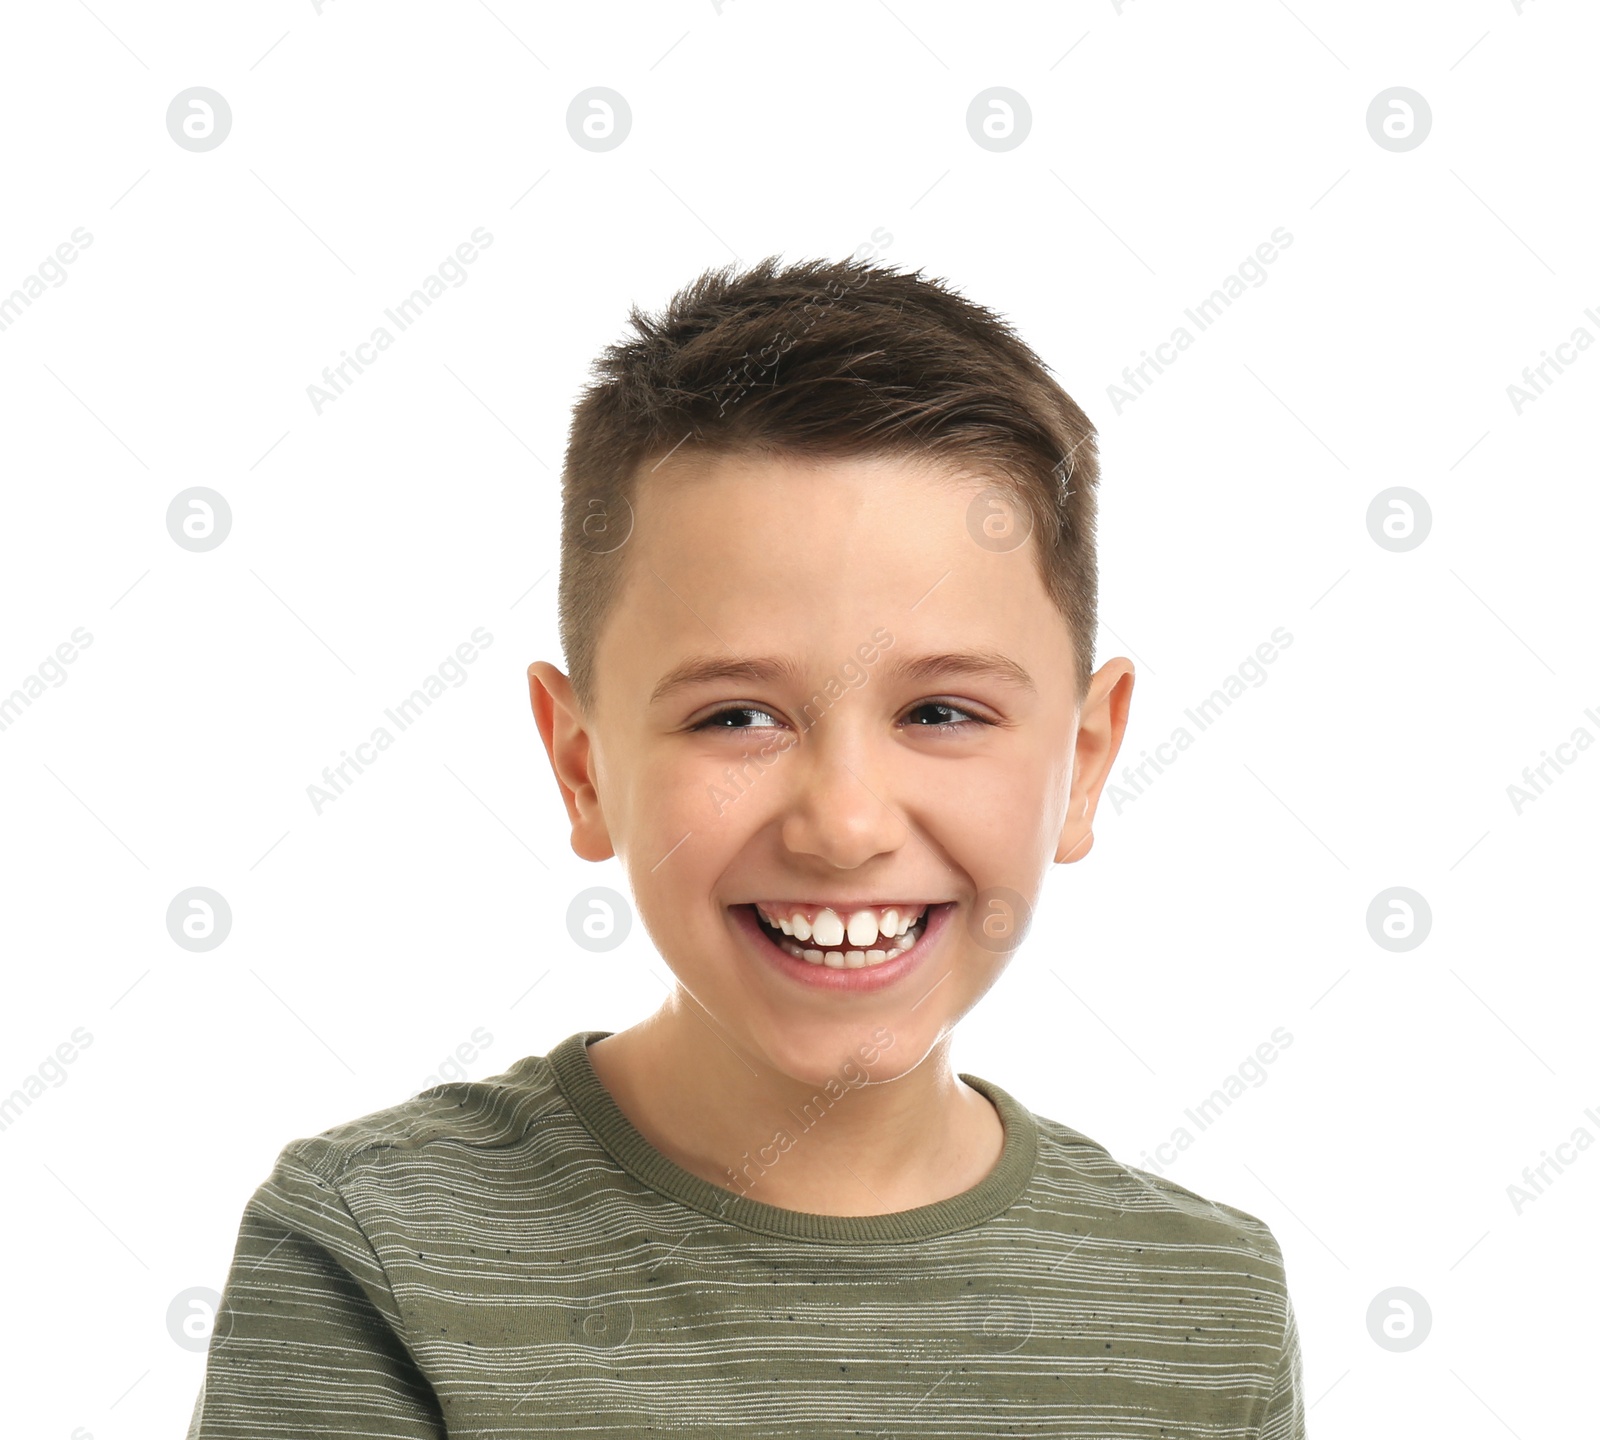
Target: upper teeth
x=863 y=927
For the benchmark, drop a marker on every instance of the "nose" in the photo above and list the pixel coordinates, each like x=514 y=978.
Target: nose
x=840 y=805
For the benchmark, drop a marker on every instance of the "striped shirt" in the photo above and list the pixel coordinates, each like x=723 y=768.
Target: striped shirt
x=511 y=1258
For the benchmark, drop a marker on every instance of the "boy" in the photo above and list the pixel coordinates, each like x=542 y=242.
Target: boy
x=828 y=598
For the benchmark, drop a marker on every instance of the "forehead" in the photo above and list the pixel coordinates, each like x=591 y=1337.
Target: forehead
x=728 y=503
x=810 y=557
x=768 y=488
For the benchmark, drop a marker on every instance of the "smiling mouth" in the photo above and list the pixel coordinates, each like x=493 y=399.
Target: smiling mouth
x=844 y=956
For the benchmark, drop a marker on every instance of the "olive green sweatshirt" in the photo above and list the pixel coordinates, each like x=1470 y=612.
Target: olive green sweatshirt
x=510 y=1257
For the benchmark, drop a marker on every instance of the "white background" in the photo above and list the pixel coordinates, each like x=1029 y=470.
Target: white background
x=368 y=541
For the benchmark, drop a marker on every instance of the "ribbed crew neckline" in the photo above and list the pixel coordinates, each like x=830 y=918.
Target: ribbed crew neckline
x=615 y=1133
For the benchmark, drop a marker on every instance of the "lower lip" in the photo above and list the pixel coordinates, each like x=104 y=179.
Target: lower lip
x=824 y=977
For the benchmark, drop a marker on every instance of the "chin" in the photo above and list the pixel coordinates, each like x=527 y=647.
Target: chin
x=841 y=1054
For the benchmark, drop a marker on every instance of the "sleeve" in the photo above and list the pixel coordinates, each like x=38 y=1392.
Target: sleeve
x=309 y=1342
x=1285 y=1417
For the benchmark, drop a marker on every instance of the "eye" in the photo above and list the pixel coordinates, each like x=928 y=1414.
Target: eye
x=948 y=727
x=727 y=717
x=716 y=720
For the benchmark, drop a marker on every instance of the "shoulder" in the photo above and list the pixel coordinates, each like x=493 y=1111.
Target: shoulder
x=1082 y=1176
x=442 y=1134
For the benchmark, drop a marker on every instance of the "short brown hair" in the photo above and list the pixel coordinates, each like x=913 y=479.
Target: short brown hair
x=824 y=359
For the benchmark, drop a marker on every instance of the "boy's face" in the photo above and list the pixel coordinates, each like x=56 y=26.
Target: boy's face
x=837 y=782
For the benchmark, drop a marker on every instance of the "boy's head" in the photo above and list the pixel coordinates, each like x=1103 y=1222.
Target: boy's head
x=827 y=599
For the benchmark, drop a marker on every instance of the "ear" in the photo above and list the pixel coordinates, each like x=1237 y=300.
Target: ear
x=1102 y=720
x=565 y=733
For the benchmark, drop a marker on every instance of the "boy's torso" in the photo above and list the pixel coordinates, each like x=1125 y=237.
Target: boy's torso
x=542 y=1287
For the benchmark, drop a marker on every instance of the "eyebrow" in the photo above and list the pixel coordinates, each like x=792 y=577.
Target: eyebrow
x=767 y=669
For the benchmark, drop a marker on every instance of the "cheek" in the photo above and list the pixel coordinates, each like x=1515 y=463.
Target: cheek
x=663 y=793
x=716 y=787
x=986 y=809
x=1003 y=831
x=684 y=816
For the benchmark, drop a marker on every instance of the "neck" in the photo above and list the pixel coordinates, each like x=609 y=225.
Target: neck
x=828 y=1148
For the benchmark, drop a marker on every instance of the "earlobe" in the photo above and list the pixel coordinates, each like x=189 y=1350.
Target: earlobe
x=1077 y=835
x=1083 y=845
